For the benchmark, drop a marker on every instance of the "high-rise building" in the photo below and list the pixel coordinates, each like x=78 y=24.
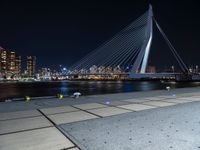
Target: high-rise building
x=11 y=62
x=18 y=65
x=31 y=65
x=3 y=59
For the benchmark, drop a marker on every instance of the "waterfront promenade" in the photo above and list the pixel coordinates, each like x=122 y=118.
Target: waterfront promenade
x=158 y=120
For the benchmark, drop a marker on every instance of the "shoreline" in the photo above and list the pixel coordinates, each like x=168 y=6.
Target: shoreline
x=37 y=98
x=101 y=98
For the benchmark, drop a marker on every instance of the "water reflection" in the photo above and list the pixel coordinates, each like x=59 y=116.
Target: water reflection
x=64 y=88
x=145 y=86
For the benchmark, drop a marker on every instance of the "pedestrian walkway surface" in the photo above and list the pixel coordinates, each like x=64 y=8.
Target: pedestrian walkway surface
x=40 y=139
x=164 y=121
x=165 y=128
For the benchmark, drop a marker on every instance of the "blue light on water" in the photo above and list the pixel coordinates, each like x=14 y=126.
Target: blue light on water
x=64 y=88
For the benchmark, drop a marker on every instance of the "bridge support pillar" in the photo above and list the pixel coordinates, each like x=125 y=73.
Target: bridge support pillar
x=140 y=64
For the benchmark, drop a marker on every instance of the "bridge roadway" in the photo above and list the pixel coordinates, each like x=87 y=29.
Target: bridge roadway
x=158 y=120
x=133 y=76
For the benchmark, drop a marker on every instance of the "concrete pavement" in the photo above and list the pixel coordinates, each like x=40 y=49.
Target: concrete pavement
x=141 y=120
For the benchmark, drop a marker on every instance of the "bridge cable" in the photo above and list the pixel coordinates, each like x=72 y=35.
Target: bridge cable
x=88 y=59
x=178 y=58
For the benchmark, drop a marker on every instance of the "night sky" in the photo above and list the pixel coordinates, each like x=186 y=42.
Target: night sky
x=61 y=32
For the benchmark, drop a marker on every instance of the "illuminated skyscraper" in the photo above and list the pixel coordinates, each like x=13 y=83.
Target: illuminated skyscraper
x=31 y=65
x=11 y=61
x=18 y=65
x=3 y=59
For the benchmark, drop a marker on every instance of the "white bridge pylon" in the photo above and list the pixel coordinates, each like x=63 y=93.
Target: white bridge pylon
x=141 y=61
x=140 y=64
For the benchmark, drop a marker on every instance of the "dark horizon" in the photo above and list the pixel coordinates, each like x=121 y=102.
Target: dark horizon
x=62 y=33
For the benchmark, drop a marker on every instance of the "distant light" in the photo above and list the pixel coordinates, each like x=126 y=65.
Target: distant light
x=107 y=102
x=27 y=98
x=173 y=94
x=64 y=69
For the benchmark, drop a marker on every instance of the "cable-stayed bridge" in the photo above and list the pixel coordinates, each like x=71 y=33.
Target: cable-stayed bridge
x=127 y=52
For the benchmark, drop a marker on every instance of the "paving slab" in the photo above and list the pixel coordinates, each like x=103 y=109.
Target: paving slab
x=17 y=125
x=136 y=107
x=138 y=100
x=177 y=101
x=19 y=114
x=158 y=103
x=90 y=106
x=197 y=96
x=169 y=96
x=116 y=103
x=194 y=93
x=155 y=98
x=108 y=111
x=41 y=139
x=189 y=98
x=71 y=117
x=55 y=110
x=187 y=94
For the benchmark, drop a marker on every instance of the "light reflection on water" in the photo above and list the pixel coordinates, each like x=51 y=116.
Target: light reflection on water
x=64 y=87
x=19 y=89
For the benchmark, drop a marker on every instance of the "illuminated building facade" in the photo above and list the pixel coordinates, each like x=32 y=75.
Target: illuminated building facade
x=3 y=59
x=18 y=65
x=31 y=65
x=9 y=61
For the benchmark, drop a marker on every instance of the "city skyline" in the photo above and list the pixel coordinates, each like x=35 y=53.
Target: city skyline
x=65 y=39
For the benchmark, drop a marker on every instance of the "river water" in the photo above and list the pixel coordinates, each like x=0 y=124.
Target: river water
x=37 y=89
